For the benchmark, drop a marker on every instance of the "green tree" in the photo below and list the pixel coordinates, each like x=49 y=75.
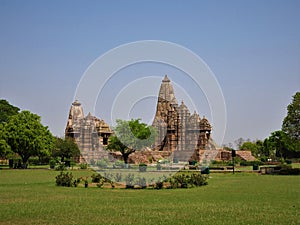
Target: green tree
x=250 y=146
x=291 y=123
x=256 y=147
x=281 y=144
x=4 y=147
x=66 y=148
x=26 y=136
x=7 y=110
x=131 y=136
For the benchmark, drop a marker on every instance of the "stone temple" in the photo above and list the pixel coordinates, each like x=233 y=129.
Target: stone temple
x=90 y=133
x=179 y=132
x=182 y=135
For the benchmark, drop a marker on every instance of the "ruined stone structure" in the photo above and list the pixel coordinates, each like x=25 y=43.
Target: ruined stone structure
x=90 y=133
x=179 y=131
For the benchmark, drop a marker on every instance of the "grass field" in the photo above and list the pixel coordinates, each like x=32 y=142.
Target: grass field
x=31 y=197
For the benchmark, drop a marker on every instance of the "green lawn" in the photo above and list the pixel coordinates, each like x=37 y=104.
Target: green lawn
x=31 y=197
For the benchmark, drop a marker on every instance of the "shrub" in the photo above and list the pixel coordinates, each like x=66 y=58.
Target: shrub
x=52 y=163
x=158 y=166
x=159 y=184
x=72 y=164
x=129 y=179
x=288 y=161
x=142 y=167
x=193 y=163
x=76 y=182
x=119 y=164
x=34 y=161
x=96 y=178
x=250 y=163
x=118 y=177
x=108 y=177
x=102 y=163
x=198 y=180
x=287 y=170
x=100 y=184
x=99 y=179
x=187 y=180
x=65 y=179
x=83 y=166
x=141 y=182
x=61 y=166
x=85 y=180
x=172 y=183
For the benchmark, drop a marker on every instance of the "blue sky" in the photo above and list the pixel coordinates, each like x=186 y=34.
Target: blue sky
x=253 y=48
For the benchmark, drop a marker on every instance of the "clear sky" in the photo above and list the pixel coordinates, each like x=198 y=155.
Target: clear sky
x=253 y=48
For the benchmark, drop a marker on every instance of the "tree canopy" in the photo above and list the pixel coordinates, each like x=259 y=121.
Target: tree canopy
x=281 y=144
x=66 y=148
x=251 y=146
x=291 y=123
x=291 y=126
x=26 y=136
x=7 y=110
x=131 y=136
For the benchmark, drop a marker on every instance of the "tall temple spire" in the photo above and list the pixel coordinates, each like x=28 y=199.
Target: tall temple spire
x=166 y=91
x=76 y=111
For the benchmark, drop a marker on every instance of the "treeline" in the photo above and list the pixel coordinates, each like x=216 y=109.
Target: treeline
x=281 y=144
x=23 y=136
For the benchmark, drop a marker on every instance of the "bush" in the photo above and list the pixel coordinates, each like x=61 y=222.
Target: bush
x=142 y=167
x=196 y=179
x=287 y=170
x=193 y=163
x=141 y=182
x=65 y=180
x=96 y=178
x=159 y=185
x=129 y=179
x=100 y=185
x=102 y=163
x=52 y=163
x=119 y=164
x=83 y=166
x=61 y=166
x=158 y=166
x=34 y=161
x=250 y=163
x=187 y=180
x=288 y=161
x=118 y=177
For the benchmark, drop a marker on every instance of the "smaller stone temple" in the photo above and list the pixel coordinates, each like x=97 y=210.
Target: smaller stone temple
x=90 y=133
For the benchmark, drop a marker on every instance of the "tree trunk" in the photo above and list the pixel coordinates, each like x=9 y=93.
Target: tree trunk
x=125 y=158
x=24 y=160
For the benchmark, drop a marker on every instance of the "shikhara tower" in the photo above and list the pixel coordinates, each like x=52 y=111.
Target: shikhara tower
x=179 y=131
